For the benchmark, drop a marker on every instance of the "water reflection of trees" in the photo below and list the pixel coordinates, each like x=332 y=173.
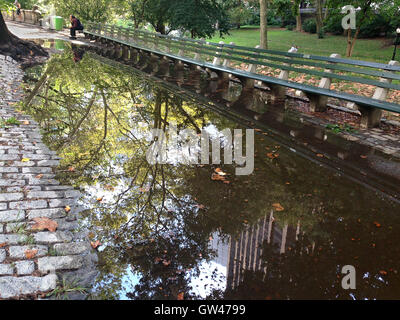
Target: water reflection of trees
x=158 y=218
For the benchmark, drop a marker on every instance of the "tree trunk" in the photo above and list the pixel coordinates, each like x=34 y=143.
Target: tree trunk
x=299 y=25
x=4 y=33
x=319 y=16
x=263 y=25
x=16 y=48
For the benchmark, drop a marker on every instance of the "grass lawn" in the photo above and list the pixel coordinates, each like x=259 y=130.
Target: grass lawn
x=282 y=40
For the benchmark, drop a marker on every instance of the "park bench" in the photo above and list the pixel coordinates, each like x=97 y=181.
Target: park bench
x=227 y=60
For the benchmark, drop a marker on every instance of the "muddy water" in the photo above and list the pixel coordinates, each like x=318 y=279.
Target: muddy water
x=199 y=230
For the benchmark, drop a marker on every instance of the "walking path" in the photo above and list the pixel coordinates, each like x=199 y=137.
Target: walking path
x=39 y=238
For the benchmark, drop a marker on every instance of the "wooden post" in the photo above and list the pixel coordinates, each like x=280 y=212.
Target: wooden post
x=318 y=102
x=371 y=117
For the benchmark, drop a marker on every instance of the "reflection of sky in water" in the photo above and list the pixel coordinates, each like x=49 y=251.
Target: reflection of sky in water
x=212 y=274
x=203 y=285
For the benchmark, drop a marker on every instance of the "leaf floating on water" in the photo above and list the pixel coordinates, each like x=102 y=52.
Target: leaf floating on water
x=30 y=254
x=99 y=199
x=272 y=155
x=220 y=172
x=181 y=296
x=377 y=224
x=383 y=272
x=278 y=207
x=320 y=155
x=166 y=263
x=3 y=244
x=363 y=156
x=39 y=176
x=217 y=177
x=44 y=223
x=67 y=209
x=95 y=244
x=25 y=160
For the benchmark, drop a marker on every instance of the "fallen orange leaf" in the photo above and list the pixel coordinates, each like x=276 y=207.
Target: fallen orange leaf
x=43 y=223
x=95 y=244
x=181 y=296
x=278 y=207
x=67 y=209
x=30 y=254
x=3 y=244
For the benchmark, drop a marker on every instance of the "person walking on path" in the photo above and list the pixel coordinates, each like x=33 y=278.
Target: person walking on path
x=18 y=6
x=75 y=25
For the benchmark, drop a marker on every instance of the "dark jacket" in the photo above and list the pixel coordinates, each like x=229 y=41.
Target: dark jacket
x=76 y=23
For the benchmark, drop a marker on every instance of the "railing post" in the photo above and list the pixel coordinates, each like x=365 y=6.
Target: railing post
x=181 y=52
x=371 y=117
x=217 y=59
x=318 y=102
x=249 y=83
x=197 y=55
x=227 y=62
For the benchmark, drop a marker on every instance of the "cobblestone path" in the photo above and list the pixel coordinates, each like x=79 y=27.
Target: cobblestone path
x=34 y=261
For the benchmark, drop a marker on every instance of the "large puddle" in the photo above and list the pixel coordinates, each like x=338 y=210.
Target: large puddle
x=172 y=231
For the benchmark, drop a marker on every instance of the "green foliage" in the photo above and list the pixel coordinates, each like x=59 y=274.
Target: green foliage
x=336 y=128
x=88 y=10
x=9 y=122
x=199 y=17
x=333 y=23
x=377 y=23
x=290 y=27
x=284 y=11
x=5 y=5
x=310 y=26
x=239 y=15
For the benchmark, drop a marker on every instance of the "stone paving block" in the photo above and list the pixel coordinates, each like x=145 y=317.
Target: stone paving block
x=2 y=255
x=11 y=239
x=18 y=252
x=12 y=215
x=52 y=237
x=72 y=248
x=6 y=197
x=13 y=287
x=25 y=267
x=52 y=213
x=6 y=269
x=46 y=264
x=33 y=204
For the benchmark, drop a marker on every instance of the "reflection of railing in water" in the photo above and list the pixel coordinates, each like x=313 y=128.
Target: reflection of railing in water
x=219 y=58
x=296 y=134
x=246 y=251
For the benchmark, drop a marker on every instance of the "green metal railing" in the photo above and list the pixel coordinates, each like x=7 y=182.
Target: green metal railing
x=231 y=56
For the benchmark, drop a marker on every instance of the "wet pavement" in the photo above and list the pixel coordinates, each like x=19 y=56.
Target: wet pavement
x=41 y=244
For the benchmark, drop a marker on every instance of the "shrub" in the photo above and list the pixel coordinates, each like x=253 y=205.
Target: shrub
x=333 y=25
x=310 y=26
x=290 y=27
x=375 y=27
